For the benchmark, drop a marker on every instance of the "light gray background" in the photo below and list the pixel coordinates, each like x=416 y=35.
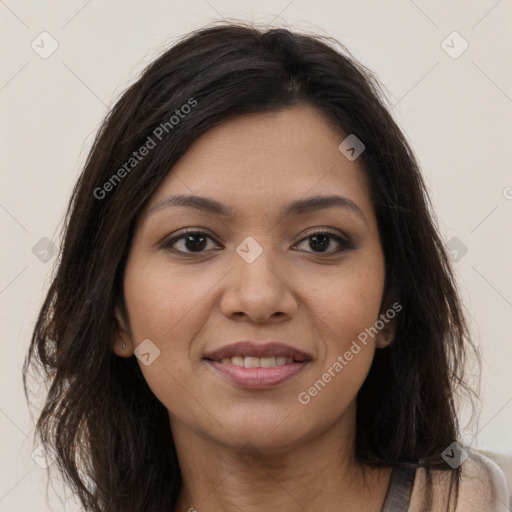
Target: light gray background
x=457 y=113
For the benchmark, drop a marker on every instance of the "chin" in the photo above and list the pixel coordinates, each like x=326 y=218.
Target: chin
x=268 y=431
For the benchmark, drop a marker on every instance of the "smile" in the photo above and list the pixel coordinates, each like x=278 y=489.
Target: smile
x=251 y=364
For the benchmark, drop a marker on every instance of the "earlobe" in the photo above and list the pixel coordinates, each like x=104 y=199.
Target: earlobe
x=386 y=335
x=384 y=340
x=388 y=318
x=122 y=344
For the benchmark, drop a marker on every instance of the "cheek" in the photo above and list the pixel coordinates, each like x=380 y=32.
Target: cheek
x=166 y=306
x=351 y=302
x=347 y=315
x=348 y=310
x=162 y=301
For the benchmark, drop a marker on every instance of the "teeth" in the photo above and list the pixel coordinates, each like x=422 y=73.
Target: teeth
x=237 y=361
x=251 y=362
x=257 y=362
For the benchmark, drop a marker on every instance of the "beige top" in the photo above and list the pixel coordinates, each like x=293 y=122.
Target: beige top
x=483 y=488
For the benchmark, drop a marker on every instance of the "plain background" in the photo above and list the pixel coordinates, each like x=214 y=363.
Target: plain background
x=457 y=113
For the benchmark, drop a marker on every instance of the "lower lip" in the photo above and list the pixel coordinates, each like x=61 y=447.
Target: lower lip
x=257 y=377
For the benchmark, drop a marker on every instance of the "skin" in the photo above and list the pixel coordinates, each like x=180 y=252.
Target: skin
x=253 y=449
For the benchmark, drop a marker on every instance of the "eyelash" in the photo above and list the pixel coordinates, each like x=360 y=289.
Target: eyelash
x=345 y=244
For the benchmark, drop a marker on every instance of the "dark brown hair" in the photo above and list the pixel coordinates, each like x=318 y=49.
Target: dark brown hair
x=110 y=433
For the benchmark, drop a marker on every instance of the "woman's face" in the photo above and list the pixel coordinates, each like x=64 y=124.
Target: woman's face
x=256 y=273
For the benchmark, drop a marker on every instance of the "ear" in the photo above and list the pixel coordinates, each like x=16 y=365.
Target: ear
x=388 y=318
x=384 y=339
x=122 y=346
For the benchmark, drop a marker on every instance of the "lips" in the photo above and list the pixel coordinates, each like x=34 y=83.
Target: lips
x=257 y=365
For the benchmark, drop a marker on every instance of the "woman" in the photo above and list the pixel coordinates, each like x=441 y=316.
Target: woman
x=254 y=309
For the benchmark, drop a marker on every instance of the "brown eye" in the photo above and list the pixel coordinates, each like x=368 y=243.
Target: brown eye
x=193 y=242
x=320 y=241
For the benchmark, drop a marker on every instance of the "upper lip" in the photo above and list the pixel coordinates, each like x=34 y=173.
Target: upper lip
x=257 y=349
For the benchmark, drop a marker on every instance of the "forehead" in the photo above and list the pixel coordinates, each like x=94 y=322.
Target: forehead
x=257 y=163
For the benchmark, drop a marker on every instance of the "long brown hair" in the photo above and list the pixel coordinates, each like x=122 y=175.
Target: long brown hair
x=111 y=435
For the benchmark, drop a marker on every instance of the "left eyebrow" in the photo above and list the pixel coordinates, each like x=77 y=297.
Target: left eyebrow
x=311 y=204
x=298 y=207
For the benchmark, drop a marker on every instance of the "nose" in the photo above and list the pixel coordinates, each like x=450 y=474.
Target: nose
x=258 y=290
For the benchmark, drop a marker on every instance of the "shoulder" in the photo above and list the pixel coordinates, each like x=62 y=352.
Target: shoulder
x=482 y=487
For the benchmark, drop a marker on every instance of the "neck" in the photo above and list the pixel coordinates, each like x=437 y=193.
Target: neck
x=318 y=474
